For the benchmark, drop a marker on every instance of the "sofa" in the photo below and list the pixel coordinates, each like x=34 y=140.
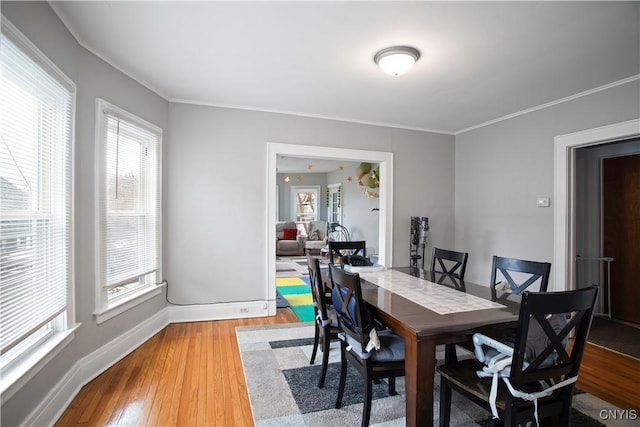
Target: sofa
x=289 y=241
x=316 y=237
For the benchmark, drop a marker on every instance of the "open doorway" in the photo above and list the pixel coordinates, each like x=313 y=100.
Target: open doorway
x=606 y=333
x=383 y=159
x=607 y=199
x=564 y=264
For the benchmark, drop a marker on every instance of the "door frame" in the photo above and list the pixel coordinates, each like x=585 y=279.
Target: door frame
x=385 y=228
x=564 y=250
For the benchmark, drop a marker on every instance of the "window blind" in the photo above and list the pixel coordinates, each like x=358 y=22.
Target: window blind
x=35 y=195
x=130 y=220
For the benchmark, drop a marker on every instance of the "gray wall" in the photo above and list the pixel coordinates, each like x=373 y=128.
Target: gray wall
x=216 y=170
x=501 y=169
x=94 y=78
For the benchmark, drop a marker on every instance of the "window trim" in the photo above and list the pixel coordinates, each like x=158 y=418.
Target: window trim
x=33 y=359
x=105 y=307
x=331 y=190
x=294 y=192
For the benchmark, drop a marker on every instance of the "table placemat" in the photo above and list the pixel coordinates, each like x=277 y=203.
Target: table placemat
x=438 y=298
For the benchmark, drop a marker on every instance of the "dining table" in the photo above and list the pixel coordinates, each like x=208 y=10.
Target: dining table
x=429 y=309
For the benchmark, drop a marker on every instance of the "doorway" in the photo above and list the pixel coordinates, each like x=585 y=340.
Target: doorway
x=565 y=146
x=605 y=222
x=385 y=161
x=621 y=232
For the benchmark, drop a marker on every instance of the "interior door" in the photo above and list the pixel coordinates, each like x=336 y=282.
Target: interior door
x=621 y=233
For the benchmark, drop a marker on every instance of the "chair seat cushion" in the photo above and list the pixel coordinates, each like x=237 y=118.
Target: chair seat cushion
x=391 y=348
x=463 y=375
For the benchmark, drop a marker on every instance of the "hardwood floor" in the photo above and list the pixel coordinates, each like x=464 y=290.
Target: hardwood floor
x=612 y=376
x=190 y=374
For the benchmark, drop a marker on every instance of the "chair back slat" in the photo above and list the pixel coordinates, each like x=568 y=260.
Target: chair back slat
x=532 y=271
x=458 y=259
x=353 y=316
x=317 y=287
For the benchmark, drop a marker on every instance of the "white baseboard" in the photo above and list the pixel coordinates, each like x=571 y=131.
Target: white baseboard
x=86 y=369
x=92 y=365
x=230 y=310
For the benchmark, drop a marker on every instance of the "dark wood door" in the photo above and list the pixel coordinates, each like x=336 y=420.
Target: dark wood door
x=621 y=228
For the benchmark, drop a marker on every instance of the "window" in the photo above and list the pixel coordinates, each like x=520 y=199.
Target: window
x=334 y=203
x=36 y=138
x=305 y=203
x=129 y=223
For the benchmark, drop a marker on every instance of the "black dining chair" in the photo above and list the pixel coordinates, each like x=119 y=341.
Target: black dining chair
x=515 y=274
x=355 y=324
x=449 y=262
x=526 y=274
x=337 y=250
x=539 y=361
x=326 y=322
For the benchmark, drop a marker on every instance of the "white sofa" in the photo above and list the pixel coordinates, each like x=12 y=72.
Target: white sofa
x=288 y=247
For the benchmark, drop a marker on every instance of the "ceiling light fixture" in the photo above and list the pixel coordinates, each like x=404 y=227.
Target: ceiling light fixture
x=396 y=60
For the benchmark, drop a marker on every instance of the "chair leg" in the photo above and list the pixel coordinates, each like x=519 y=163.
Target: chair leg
x=392 y=386
x=343 y=375
x=509 y=417
x=445 y=402
x=450 y=355
x=366 y=408
x=326 y=342
x=564 y=419
x=316 y=338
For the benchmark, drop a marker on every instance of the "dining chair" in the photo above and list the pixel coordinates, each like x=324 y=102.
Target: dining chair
x=526 y=274
x=326 y=322
x=358 y=342
x=449 y=262
x=541 y=371
x=518 y=275
x=339 y=249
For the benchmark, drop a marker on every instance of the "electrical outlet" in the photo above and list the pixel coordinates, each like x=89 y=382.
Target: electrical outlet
x=543 y=202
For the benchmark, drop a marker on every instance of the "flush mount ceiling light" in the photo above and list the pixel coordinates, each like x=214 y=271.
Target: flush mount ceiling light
x=396 y=60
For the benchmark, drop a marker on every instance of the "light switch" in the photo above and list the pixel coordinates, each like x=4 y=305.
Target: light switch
x=543 y=202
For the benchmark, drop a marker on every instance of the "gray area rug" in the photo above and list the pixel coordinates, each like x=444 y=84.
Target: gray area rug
x=283 y=388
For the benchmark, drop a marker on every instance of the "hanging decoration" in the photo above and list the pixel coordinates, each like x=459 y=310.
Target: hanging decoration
x=369 y=179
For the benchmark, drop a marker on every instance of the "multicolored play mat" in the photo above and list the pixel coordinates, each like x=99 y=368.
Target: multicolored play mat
x=297 y=292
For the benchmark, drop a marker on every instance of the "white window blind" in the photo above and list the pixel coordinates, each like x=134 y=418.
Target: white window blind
x=36 y=111
x=130 y=200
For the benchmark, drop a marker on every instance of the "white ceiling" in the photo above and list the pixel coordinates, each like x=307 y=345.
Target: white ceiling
x=480 y=60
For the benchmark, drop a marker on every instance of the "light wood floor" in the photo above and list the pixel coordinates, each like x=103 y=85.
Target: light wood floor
x=190 y=374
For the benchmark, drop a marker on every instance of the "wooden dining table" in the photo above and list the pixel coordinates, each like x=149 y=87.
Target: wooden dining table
x=415 y=312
